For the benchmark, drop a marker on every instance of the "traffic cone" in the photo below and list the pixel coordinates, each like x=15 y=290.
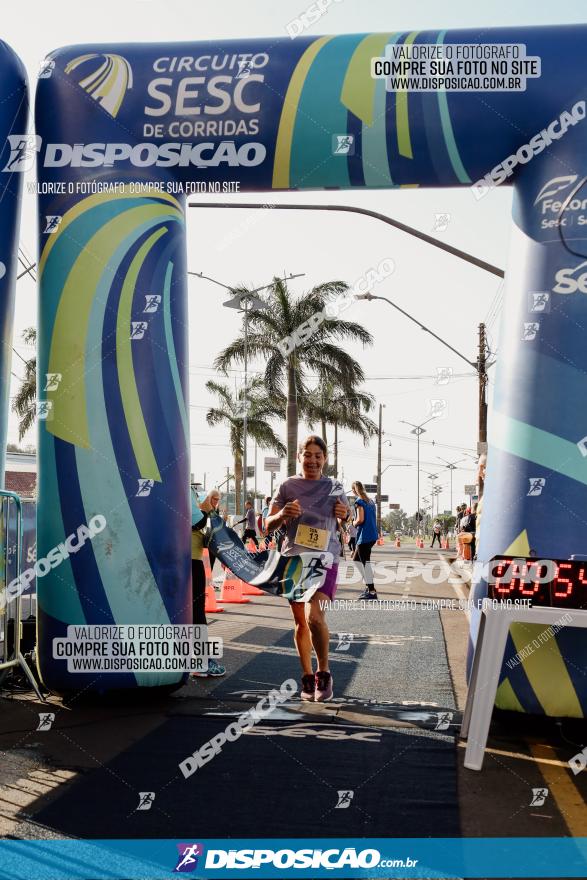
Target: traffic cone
x=397 y=542
x=212 y=606
x=380 y=540
x=232 y=590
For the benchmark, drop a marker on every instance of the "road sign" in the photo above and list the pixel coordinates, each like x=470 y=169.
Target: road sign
x=250 y=470
x=371 y=487
x=470 y=489
x=394 y=507
x=385 y=497
x=273 y=464
x=447 y=512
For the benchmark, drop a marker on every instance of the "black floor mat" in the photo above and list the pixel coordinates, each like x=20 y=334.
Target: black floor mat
x=281 y=781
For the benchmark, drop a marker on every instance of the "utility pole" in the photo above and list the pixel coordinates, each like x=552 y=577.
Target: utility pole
x=482 y=372
x=379 y=443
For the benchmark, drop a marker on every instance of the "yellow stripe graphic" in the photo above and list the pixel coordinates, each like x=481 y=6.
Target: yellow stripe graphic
x=68 y=342
x=129 y=392
x=402 y=121
x=281 y=168
x=546 y=671
x=358 y=88
x=87 y=204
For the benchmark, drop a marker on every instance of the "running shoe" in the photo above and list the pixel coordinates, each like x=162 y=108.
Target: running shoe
x=199 y=674
x=308 y=688
x=369 y=595
x=215 y=668
x=323 y=691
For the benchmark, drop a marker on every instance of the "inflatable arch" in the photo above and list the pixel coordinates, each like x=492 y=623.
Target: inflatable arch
x=288 y=114
x=17 y=149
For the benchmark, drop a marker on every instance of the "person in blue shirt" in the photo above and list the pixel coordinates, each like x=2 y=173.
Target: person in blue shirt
x=365 y=522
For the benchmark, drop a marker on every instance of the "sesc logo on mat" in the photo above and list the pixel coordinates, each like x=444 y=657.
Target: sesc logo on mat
x=188 y=857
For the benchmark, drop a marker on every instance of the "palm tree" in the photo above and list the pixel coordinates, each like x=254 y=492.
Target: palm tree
x=25 y=402
x=327 y=405
x=287 y=363
x=230 y=411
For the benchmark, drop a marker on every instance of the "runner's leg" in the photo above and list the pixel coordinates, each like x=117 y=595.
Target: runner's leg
x=320 y=635
x=302 y=639
x=364 y=558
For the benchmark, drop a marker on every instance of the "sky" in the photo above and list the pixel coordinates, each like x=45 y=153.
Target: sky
x=448 y=295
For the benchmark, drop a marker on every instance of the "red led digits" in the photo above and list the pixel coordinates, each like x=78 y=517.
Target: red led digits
x=544 y=581
x=532 y=588
x=502 y=588
x=563 y=586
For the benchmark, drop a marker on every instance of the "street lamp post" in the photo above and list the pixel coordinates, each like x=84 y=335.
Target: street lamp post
x=432 y=477
x=379 y=445
x=418 y=430
x=246 y=302
x=452 y=466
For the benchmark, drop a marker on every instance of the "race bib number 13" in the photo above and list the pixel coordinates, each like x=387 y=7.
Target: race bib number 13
x=315 y=539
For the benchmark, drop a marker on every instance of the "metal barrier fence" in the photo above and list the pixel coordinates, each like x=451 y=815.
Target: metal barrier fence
x=10 y=569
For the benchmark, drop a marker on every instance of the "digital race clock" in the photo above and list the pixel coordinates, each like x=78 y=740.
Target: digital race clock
x=551 y=582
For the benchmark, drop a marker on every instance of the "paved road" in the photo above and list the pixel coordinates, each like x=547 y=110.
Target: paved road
x=389 y=737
